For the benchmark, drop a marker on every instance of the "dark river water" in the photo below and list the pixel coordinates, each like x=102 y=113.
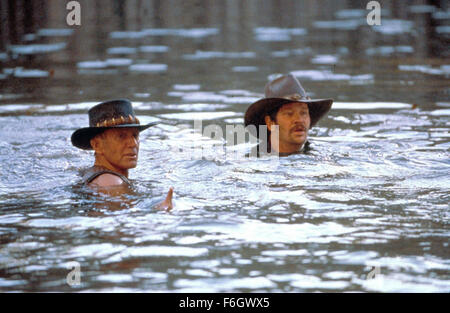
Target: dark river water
x=367 y=210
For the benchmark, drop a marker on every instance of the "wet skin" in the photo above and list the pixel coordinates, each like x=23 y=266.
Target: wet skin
x=293 y=123
x=117 y=149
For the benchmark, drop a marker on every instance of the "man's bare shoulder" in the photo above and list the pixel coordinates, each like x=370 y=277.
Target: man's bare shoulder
x=107 y=180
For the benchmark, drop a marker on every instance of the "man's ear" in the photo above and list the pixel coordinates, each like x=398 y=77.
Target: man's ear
x=96 y=144
x=269 y=122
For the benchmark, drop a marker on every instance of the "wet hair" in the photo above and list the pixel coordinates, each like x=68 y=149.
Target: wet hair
x=272 y=113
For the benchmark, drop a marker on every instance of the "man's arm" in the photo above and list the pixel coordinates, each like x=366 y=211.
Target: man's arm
x=107 y=180
x=113 y=185
x=109 y=184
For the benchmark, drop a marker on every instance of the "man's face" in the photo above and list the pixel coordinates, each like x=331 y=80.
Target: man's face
x=293 y=122
x=119 y=147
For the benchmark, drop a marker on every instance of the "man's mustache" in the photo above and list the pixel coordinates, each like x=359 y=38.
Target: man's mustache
x=300 y=127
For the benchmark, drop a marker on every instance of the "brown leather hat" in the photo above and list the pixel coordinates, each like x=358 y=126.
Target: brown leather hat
x=106 y=115
x=285 y=89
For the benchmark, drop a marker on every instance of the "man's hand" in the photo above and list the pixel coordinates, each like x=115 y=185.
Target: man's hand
x=167 y=203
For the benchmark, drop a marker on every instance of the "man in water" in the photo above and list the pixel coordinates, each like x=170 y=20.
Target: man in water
x=288 y=113
x=113 y=134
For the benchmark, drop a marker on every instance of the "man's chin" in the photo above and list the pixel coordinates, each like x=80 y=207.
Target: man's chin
x=131 y=165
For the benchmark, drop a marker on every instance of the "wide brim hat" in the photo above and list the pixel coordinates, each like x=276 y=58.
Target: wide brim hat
x=285 y=89
x=107 y=115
